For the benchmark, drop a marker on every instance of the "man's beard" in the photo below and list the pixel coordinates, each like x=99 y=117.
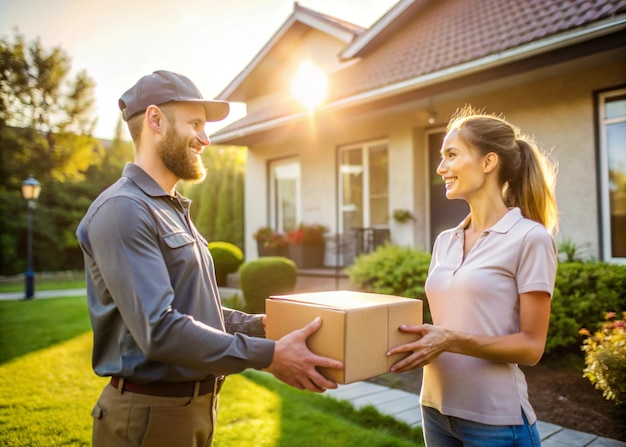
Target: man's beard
x=177 y=157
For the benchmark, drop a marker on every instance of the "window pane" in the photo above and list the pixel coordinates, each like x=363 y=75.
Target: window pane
x=379 y=186
x=286 y=200
x=285 y=195
x=615 y=107
x=616 y=151
x=351 y=177
x=379 y=210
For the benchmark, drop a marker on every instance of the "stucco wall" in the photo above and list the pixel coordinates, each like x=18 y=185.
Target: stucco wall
x=558 y=110
x=559 y=113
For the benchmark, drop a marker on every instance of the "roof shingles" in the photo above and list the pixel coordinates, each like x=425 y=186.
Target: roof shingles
x=453 y=32
x=448 y=33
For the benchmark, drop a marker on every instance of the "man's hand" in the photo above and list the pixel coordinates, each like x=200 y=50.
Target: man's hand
x=295 y=364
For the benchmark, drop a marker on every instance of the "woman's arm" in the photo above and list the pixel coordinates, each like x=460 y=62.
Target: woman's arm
x=524 y=347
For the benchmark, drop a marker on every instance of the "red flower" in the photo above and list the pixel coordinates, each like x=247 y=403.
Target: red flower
x=307 y=234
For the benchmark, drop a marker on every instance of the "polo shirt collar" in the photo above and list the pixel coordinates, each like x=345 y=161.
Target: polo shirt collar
x=502 y=226
x=508 y=221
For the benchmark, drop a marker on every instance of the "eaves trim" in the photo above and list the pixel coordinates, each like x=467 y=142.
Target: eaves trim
x=365 y=38
x=599 y=29
x=300 y=14
x=234 y=85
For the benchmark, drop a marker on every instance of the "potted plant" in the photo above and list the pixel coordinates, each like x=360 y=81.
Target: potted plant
x=402 y=216
x=306 y=245
x=270 y=242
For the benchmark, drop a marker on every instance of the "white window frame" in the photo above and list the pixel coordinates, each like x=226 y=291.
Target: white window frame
x=365 y=152
x=276 y=221
x=605 y=206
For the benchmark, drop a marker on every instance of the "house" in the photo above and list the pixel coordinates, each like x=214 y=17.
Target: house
x=555 y=68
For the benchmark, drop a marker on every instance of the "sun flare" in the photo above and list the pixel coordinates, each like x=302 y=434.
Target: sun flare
x=309 y=85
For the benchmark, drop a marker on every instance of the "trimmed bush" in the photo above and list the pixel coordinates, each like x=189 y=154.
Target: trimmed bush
x=583 y=294
x=393 y=270
x=266 y=276
x=605 y=358
x=227 y=258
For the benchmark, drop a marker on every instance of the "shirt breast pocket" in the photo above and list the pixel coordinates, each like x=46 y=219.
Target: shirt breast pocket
x=179 y=249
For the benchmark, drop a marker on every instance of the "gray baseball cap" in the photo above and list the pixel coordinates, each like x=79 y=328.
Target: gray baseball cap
x=164 y=86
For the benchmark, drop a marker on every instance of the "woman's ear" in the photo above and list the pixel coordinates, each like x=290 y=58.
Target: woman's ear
x=490 y=162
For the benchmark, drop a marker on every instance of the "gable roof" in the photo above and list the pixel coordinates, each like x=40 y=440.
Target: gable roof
x=445 y=34
x=340 y=29
x=424 y=42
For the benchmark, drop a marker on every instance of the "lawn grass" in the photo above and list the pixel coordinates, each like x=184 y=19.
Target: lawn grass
x=47 y=391
x=30 y=325
x=71 y=280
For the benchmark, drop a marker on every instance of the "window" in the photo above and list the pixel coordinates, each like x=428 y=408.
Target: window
x=612 y=120
x=285 y=195
x=363 y=186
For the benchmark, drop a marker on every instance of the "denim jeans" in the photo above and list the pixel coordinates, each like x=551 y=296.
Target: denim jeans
x=449 y=431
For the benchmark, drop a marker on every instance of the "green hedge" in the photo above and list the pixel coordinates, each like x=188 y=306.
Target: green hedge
x=227 y=259
x=393 y=270
x=583 y=294
x=266 y=276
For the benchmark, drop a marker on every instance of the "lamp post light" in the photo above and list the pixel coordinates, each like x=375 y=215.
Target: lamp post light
x=30 y=191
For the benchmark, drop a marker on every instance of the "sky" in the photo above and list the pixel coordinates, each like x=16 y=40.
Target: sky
x=119 y=41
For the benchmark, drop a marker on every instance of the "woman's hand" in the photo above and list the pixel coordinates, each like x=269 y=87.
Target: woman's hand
x=432 y=342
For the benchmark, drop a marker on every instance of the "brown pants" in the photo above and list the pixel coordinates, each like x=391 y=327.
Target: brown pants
x=134 y=420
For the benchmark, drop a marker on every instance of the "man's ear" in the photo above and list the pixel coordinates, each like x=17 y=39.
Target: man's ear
x=154 y=118
x=490 y=162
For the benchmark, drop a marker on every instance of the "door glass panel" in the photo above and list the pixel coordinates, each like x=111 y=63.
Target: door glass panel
x=444 y=213
x=351 y=177
x=285 y=201
x=379 y=186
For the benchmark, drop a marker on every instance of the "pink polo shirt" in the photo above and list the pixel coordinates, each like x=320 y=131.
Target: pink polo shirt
x=480 y=295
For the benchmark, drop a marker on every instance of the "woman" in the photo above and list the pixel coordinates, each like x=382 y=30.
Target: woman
x=489 y=288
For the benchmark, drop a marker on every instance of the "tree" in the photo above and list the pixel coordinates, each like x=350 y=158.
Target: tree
x=35 y=90
x=36 y=93
x=46 y=122
x=218 y=202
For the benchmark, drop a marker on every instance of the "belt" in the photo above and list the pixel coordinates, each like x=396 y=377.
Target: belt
x=170 y=389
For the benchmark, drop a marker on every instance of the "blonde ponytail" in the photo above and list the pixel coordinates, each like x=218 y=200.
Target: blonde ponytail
x=527 y=176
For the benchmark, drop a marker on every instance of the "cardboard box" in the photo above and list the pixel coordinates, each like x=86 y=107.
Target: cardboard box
x=357 y=328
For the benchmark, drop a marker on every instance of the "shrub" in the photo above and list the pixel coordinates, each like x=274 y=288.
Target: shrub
x=583 y=294
x=605 y=358
x=570 y=251
x=263 y=277
x=234 y=301
x=227 y=258
x=393 y=270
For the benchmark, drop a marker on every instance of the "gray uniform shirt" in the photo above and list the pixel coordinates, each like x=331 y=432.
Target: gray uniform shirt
x=153 y=298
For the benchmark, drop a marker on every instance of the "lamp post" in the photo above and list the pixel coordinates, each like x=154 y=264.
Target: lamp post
x=30 y=191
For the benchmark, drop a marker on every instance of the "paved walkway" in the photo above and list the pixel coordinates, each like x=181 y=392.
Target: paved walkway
x=402 y=405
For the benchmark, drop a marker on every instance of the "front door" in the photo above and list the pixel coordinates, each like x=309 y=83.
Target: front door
x=444 y=213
